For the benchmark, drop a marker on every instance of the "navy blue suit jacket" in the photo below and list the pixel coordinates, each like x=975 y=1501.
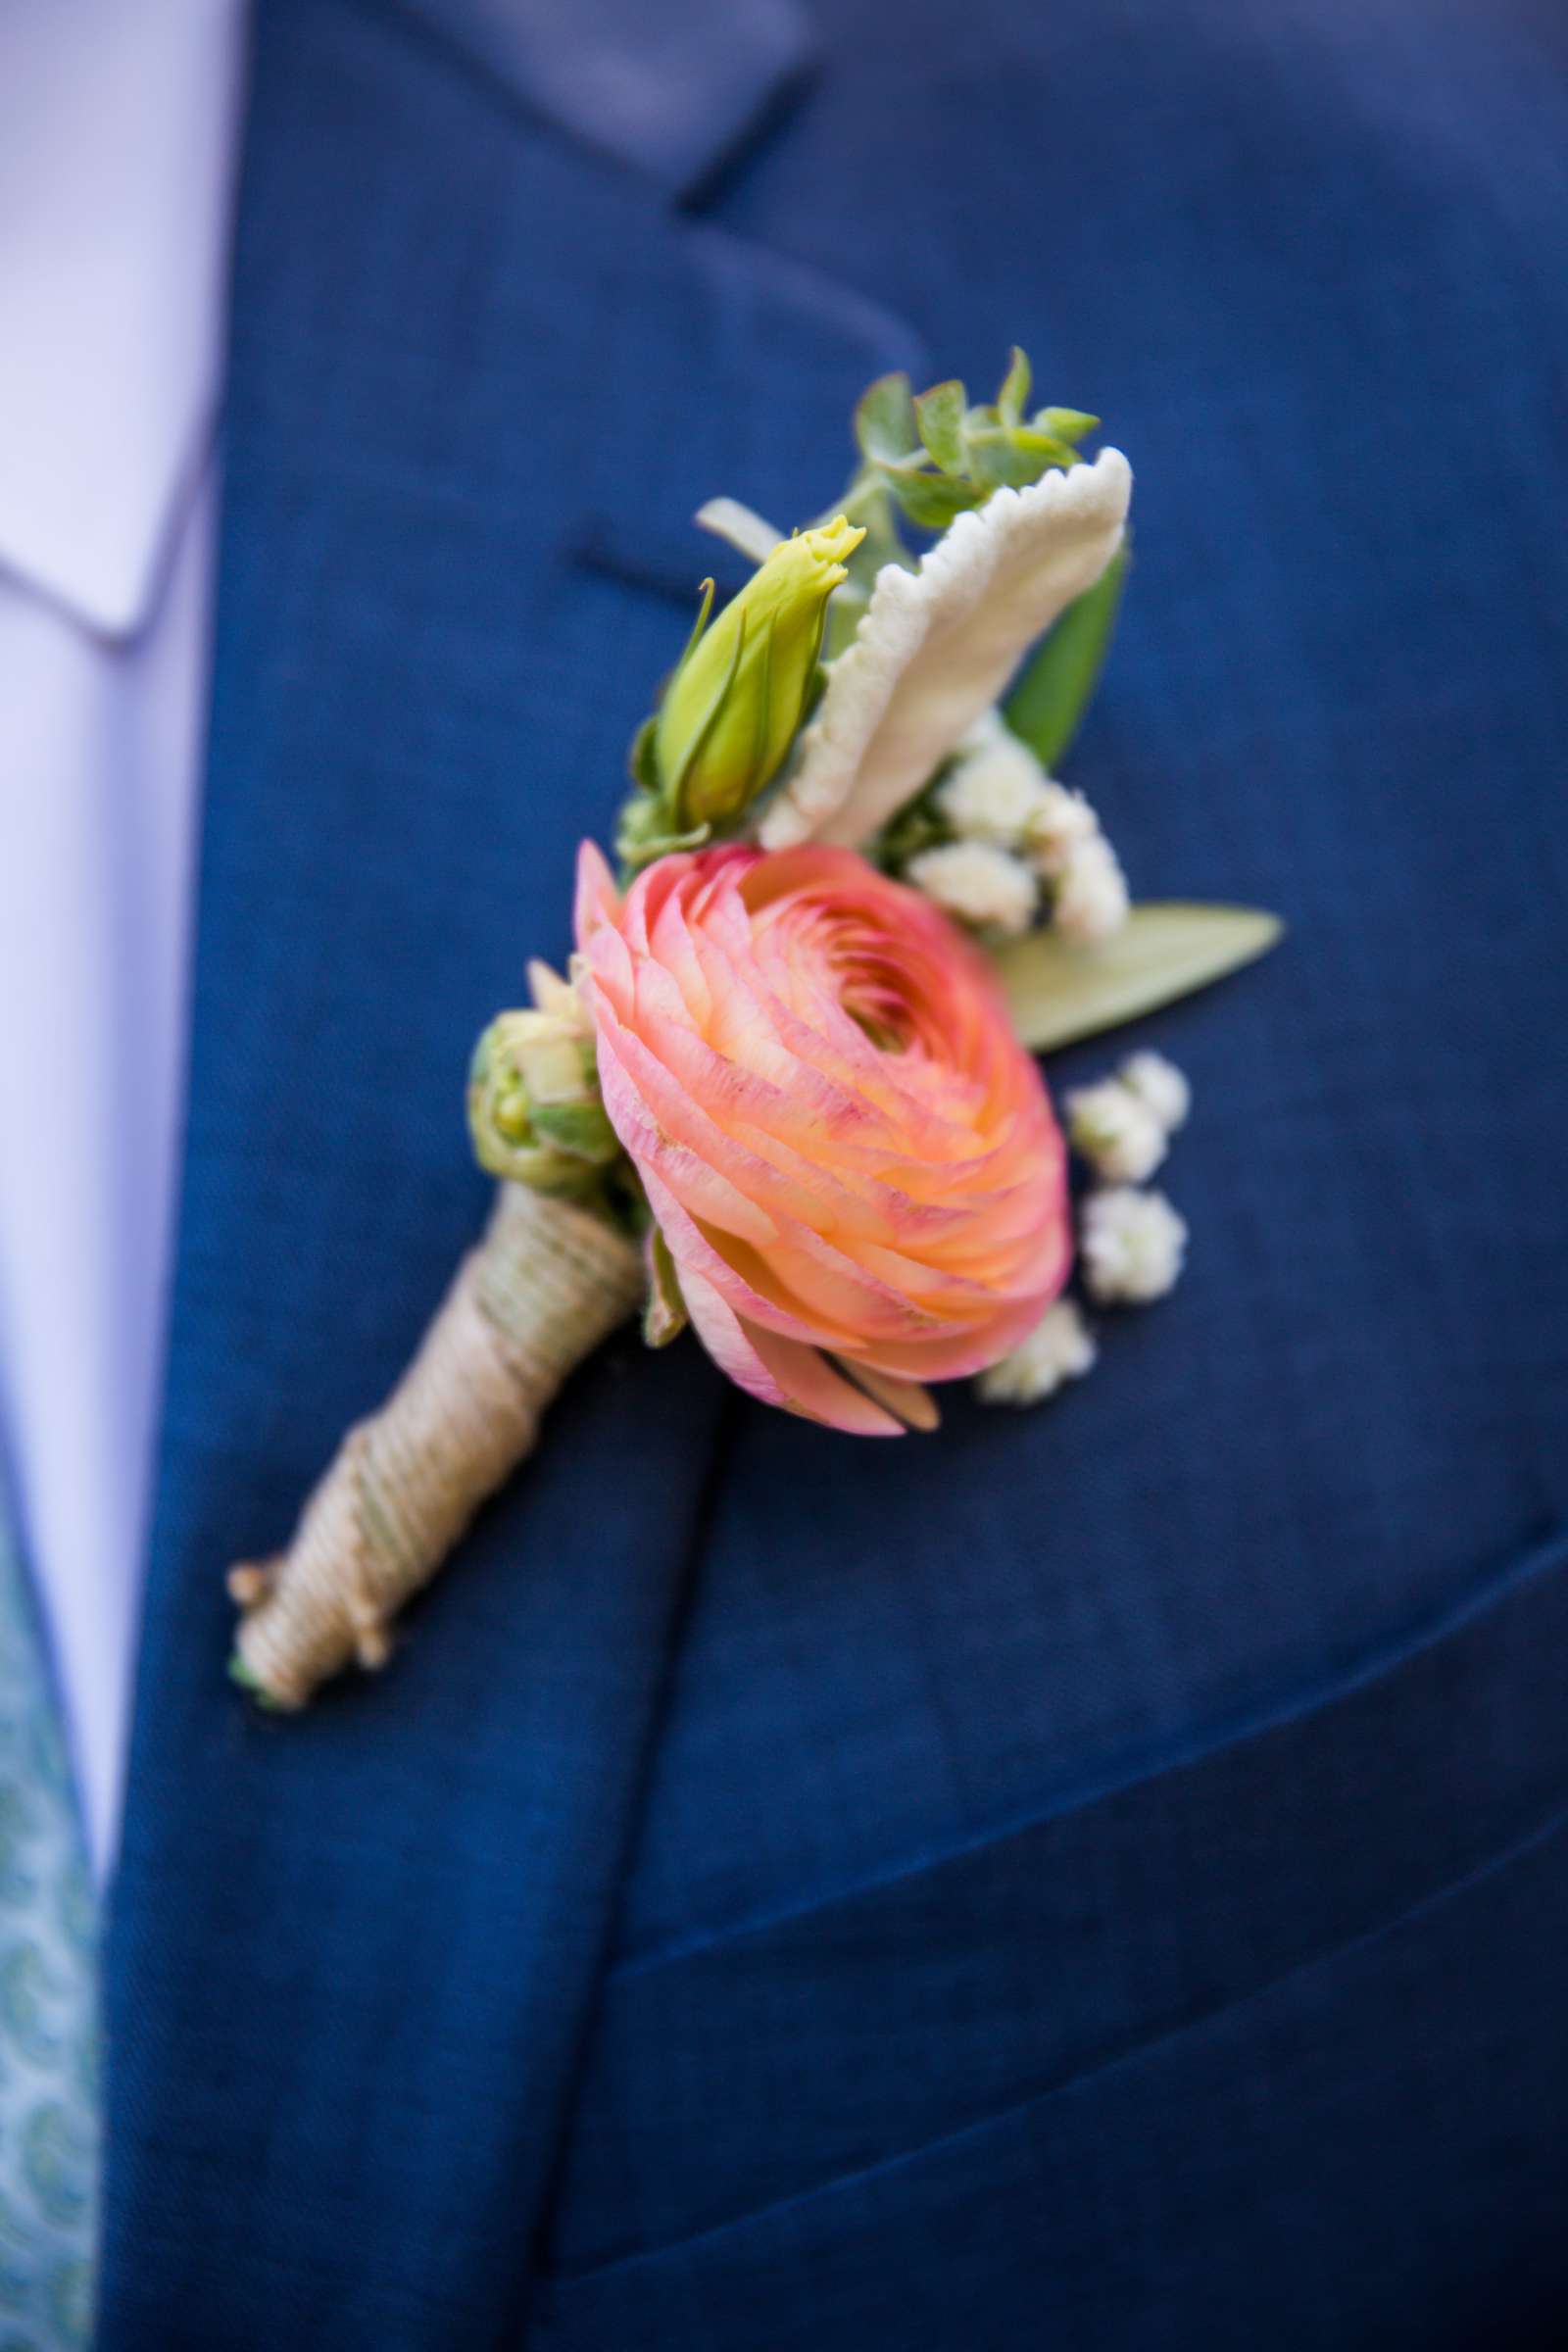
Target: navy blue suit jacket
x=1095 y=1879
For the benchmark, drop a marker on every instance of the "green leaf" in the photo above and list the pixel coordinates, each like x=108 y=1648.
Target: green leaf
x=939 y=414
x=884 y=420
x=580 y=1129
x=1059 y=681
x=1068 y=425
x=1058 y=994
x=1014 y=387
x=704 y=608
x=1009 y=458
x=664 y=1309
x=930 y=500
x=643 y=835
x=641 y=764
x=243 y=1672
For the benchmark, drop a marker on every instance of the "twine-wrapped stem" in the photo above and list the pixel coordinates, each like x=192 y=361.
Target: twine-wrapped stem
x=548 y=1282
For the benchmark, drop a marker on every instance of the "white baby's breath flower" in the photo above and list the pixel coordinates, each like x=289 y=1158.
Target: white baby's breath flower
x=1161 y=1085
x=1131 y=1244
x=1091 y=894
x=1059 y=825
x=937 y=644
x=1059 y=1349
x=983 y=886
x=996 y=789
x=1115 y=1131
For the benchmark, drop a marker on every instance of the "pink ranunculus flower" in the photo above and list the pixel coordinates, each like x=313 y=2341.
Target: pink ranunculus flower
x=852 y=1160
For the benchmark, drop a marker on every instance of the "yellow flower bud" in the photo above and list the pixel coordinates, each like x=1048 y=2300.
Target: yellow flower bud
x=734 y=705
x=534 y=1108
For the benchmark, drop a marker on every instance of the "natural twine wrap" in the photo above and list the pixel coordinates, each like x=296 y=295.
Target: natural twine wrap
x=546 y=1285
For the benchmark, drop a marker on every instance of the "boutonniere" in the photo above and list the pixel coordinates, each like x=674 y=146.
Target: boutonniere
x=788 y=1091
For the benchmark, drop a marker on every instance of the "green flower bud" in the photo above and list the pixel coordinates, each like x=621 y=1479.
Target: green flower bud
x=534 y=1106
x=732 y=708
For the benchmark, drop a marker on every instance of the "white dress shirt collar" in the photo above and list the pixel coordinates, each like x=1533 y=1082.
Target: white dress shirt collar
x=118 y=137
x=116 y=145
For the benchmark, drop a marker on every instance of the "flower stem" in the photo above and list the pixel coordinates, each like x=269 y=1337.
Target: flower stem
x=548 y=1282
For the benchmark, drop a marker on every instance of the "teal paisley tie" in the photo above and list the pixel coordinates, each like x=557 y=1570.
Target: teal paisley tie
x=48 y=2002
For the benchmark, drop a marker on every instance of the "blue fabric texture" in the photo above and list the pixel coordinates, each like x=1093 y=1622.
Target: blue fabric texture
x=674 y=91
x=1097 y=1877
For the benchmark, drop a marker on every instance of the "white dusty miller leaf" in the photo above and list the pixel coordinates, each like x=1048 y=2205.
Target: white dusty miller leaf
x=741 y=526
x=936 y=646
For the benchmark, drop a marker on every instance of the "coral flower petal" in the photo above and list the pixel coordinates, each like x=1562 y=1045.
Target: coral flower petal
x=852 y=1159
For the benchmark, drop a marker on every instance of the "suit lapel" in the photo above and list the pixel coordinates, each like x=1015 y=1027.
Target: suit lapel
x=350 y=1954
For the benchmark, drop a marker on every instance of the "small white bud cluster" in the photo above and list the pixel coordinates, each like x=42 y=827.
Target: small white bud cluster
x=996 y=789
x=1091 y=900
x=1117 y=1134
x=1161 y=1085
x=985 y=887
x=1123 y=1125
x=1018 y=832
x=1059 y=1349
x=1132 y=1243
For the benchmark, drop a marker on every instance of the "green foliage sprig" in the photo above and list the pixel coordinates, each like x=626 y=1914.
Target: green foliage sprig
x=938 y=454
